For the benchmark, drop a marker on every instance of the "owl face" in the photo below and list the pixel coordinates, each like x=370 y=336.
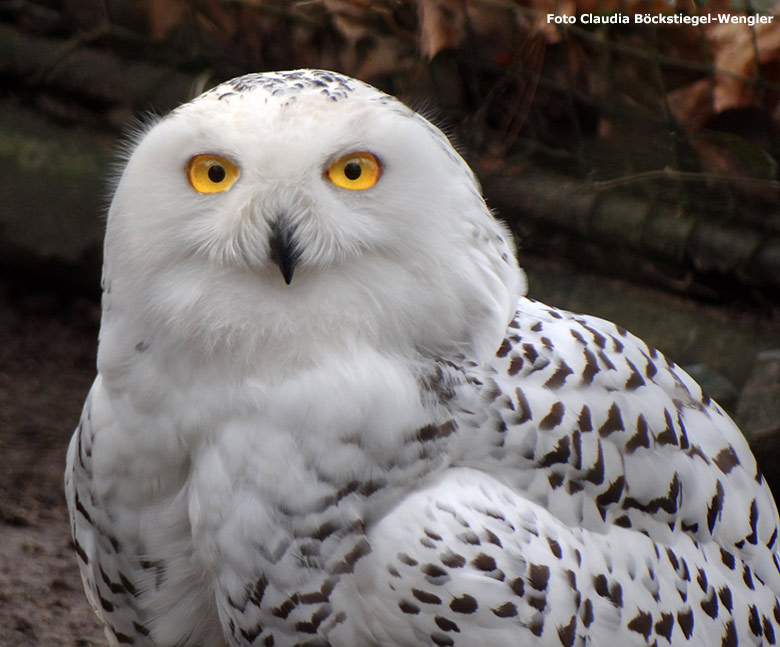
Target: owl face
x=301 y=189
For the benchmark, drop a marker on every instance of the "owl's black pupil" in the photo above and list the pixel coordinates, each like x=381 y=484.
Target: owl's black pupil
x=352 y=170
x=216 y=173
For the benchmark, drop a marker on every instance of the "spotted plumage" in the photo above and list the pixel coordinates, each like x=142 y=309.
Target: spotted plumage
x=385 y=443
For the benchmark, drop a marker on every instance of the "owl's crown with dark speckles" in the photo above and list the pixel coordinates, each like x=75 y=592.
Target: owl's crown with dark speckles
x=292 y=82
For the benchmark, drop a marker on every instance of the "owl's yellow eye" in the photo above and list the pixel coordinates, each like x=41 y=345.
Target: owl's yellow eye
x=356 y=171
x=210 y=173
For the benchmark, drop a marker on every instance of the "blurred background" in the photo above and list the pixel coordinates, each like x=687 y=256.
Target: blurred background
x=636 y=164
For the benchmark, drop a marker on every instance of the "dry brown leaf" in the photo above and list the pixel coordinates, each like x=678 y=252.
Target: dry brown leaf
x=164 y=16
x=442 y=25
x=743 y=57
x=386 y=57
x=738 y=51
x=370 y=51
x=351 y=18
x=494 y=29
x=692 y=104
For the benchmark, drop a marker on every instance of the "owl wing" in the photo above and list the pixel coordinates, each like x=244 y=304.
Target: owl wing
x=602 y=430
x=599 y=495
x=469 y=561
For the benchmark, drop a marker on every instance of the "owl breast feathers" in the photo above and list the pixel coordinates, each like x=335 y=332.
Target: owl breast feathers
x=326 y=414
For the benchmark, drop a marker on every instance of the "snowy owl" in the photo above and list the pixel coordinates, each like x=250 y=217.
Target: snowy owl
x=327 y=415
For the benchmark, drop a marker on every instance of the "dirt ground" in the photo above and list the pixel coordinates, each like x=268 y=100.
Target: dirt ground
x=47 y=362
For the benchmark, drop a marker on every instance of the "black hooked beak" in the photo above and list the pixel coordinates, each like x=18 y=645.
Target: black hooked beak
x=284 y=249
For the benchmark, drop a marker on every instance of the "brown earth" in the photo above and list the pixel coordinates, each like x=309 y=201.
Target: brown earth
x=47 y=360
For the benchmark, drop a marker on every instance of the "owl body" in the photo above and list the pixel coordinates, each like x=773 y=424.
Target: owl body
x=384 y=443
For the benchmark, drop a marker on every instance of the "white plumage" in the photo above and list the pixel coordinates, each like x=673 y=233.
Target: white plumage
x=325 y=413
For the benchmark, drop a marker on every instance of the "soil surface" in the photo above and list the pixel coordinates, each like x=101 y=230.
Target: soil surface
x=47 y=362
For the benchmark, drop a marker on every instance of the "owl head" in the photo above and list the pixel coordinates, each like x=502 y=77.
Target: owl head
x=300 y=210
